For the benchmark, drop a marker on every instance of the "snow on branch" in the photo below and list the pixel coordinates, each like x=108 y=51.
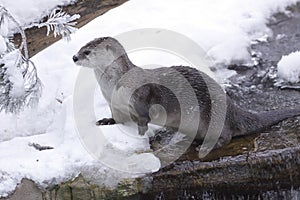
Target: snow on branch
x=19 y=83
x=60 y=23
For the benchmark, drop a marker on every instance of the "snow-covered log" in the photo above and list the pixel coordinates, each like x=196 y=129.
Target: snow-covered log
x=37 y=38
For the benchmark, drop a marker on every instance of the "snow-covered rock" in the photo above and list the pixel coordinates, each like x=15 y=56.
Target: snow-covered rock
x=289 y=67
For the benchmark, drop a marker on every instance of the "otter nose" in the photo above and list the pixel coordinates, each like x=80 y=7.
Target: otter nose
x=75 y=58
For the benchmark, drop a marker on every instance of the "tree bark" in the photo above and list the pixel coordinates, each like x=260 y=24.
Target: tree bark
x=37 y=40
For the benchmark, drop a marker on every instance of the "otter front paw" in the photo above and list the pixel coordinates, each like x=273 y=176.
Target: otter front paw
x=105 y=121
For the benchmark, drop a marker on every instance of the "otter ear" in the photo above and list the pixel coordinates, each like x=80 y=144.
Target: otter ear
x=109 y=48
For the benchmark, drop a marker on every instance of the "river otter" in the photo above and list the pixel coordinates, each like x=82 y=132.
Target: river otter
x=147 y=87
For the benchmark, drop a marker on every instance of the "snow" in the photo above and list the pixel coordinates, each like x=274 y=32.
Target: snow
x=2 y=45
x=14 y=74
x=289 y=67
x=222 y=28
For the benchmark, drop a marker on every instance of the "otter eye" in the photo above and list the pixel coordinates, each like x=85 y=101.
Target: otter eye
x=87 y=52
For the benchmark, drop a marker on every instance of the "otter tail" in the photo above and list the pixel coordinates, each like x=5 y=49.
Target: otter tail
x=270 y=118
x=248 y=122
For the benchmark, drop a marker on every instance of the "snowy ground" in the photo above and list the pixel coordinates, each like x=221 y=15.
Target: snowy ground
x=223 y=28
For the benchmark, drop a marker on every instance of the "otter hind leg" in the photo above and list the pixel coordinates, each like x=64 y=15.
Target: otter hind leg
x=141 y=102
x=105 y=121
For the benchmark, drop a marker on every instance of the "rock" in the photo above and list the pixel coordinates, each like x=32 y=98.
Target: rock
x=27 y=190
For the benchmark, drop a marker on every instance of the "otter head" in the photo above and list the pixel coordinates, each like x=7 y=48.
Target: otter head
x=99 y=53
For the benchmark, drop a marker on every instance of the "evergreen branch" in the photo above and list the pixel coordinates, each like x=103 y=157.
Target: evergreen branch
x=23 y=45
x=19 y=83
x=60 y=23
